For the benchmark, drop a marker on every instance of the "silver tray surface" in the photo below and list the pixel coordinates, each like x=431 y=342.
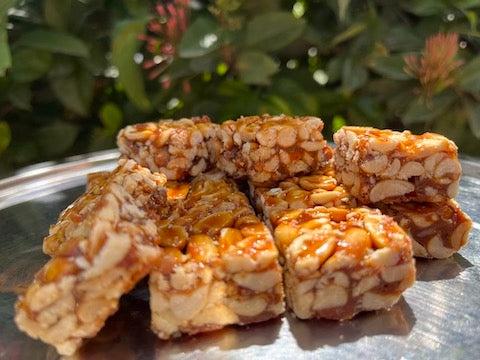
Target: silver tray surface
x=437 y=318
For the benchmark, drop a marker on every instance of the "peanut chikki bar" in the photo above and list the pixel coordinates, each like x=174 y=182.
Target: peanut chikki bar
x=339 y=262
x=176 y=148
x=300 y=192
x=105 y=248
x=390 y=166
x=437 y=229
x=267 y=148
x=221 y=266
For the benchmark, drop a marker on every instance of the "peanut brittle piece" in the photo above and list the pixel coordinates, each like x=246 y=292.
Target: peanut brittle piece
x=227 y=270
x=105 y=249
x=266 y=149
x=389 y=166
x=97 y=179
x=339 y=262
x=126 y=175
x=438 y=230
x=176 y=148
x=300 y=192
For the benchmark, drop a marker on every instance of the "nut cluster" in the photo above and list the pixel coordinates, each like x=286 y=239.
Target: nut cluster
x=343 y=261
x=176 y=148
x=437 y=230
x=221 y=265
x=389 y=166
x=318 y=189
x=267 y=148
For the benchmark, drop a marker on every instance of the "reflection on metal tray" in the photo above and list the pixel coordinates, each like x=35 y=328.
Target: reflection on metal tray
x=437 y=318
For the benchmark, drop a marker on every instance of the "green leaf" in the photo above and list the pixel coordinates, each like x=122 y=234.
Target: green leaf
x=472 y=19
x=201 y=38
x=111 y=117
x=101 y=139
x=465 y=4
x=4 y=6
x=54 y=41
x=473 y=112
x=349 y=33
x=354 y=75
x=469 y=76
x=273 y=30
x=256 y=67
x=74 y=91
x=29 y=64
x=334 y=69
x=5 y=136
x=125 y=45
x=424 y=7
x=56 y=13
x=5 y=55
x=418 y=111
x=338 y=122
x=342 y=9
x=137 y=8
x=275 y=104
x=57 y=138
x=402 y=38
x=20 y=96
x=390 y=67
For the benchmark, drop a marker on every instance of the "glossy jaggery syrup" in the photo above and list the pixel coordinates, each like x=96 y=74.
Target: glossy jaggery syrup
x=408 y=145
x=443 y=218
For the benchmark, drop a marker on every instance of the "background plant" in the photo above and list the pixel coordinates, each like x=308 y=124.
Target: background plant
x=72 y=72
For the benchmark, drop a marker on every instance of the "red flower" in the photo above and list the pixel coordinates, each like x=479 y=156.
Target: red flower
x=434 y=68
x=164 y=33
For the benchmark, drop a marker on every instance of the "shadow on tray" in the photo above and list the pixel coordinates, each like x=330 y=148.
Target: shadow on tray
x=313 y=334
x=127 y=335
x=443 y=269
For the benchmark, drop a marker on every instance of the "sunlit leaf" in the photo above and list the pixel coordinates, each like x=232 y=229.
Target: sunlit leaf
x=111 y=117
x=342 y=9
x=273 y=30
x=125 y=45
x=337 y=122
x=5 y=56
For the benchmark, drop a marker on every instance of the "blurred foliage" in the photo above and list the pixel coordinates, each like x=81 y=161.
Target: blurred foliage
x=72 y=72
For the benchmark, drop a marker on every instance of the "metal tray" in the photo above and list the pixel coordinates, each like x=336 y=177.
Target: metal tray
x=437 y=318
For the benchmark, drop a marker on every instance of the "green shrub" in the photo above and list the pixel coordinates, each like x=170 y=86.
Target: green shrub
x=73 y=72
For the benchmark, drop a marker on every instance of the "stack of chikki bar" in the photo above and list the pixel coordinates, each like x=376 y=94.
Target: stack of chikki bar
x=170 y=211
x=412 y=178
